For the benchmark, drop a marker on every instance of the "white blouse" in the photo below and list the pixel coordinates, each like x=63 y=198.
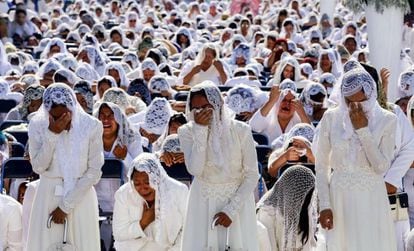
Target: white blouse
x=11 y=224
x=160 y=235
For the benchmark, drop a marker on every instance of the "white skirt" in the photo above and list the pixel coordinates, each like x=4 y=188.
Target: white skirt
x=83 y=225
x=197 y=234
x=361 y=217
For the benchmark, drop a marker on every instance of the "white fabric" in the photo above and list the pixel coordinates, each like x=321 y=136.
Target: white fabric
x=11 y=224
x=27 y=208
x=50 y=153
x=214 y=189
x=164 y=233
x=269 y=125
x=356 y=185
x=279 y=71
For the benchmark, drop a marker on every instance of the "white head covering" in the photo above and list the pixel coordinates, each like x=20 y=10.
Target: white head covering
x=54 y=42
x=283 y=63
x=406 y=84
x=87 y=72
x=242 y=50
x=333 y=56
x=4 y=63
x=200 y=57
x=96 y=60
x=33 y=92
x=410 y=109
x=157 y=116
x=126 y=134
x=219 y=137
x=117 y=96
x=171 y=144
x=164 y=187
x=118 y=67
x=131 y=57
x=285 y=201
x=243 y=98
x=159 y=84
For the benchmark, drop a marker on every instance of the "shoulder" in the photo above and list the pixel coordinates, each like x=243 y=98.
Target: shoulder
x=89 y=121
x=123 y=191
x=10 y=203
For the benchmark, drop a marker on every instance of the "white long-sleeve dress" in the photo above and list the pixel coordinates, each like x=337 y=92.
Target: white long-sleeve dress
x=215 y=190
x=355 y=188
x=11 y=224
x=80 y=203
x=160 y=235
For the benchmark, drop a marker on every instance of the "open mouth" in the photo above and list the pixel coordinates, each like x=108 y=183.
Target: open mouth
x=107 y=126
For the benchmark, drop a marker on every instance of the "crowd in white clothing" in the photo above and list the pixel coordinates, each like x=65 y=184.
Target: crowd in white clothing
x=232 y=125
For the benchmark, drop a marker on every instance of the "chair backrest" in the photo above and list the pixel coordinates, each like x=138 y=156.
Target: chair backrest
x=261 y=139
x=178 y=172
x=263 y=153
x=113 y=169
x=181 y=96
x=17 y=149
x=16 y=168
x=6 y=105
x=7 y=123
x=21 y=136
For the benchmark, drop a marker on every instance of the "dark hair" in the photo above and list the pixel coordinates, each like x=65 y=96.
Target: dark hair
x=178 y=118
x=304 y=218
x=283 y=77
x=152 y=54
x=115 y=31
x=20 y=10
x=60 y=78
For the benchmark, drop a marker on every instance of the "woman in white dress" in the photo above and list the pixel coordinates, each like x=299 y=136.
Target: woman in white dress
x=150 y=209
x=219 y=152
x=356 y=140
x=207 y=66
x=66 y=150
x=289 y=211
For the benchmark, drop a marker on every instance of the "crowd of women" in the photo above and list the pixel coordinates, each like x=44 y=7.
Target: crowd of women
x=170 y=86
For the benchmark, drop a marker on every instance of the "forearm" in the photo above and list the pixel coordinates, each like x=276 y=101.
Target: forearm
x=276 y=165
x=188 y=77
x=265 y=110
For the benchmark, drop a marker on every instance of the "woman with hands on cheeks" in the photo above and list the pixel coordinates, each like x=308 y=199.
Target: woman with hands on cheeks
x=65 y=146
x=150 y=209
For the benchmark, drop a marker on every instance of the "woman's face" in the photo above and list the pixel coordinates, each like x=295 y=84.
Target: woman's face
x=115 y=74
x=289 y=28
x=148 y=74
x=226 y=36
x=287 y=107
x=82 y=101
x=54 y=50
x=173 y=129
x=102 y=88
x=271 y=42
x=350 y=30
x=142 y=186
x=132 y=23
x=116 y=38
x=350 y=45
x=240 y=61
x=107 y=117
x=34 y=105
x=357 y=97
x=200 y=102
x=210 y=55
x=288 y=72
x=182 y=39
x=325 y=63
x=403 y=103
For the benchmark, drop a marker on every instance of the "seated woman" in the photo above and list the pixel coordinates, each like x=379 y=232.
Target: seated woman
x=104 y=84
x=288 y=68
x=314 y=99
x=121 y=142
x=160 y=87
x=289 y=210
x=84 y=95
x=32 y=100
x=128 y=104
x=149 y=210
x=297 y=149
x=280 y=113
x=207 y=66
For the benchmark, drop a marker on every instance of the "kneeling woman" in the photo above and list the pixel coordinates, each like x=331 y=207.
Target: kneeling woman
x=150 y=209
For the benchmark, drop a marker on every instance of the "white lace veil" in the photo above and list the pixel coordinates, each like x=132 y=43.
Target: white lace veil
x=118 y=67
x=219 y=136
x=289 y=60
x=157 y=116
x=54 y=42
x=406 y=84
x=162 y=184
x=286 y=198
x=117 y=96
x=126 y=134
